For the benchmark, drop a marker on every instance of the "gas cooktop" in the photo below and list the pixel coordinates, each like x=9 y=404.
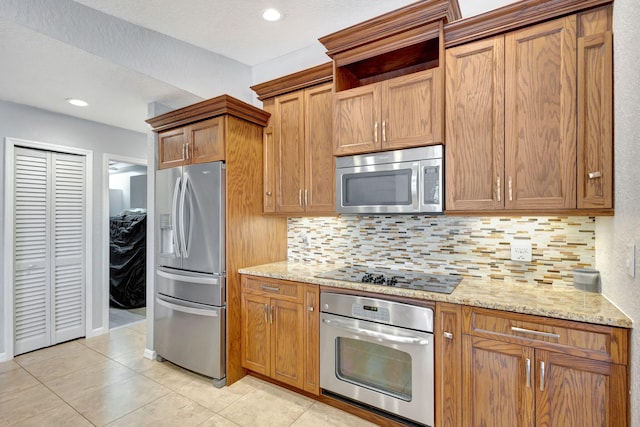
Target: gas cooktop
x=398 y=278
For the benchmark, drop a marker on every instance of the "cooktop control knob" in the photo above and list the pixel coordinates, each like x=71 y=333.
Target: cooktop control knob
x=379 y=280
x=367 y=278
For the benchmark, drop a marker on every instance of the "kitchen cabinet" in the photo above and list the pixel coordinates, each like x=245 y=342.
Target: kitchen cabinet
x=527 y=370
x=397 y=113
x=475 y=126
x=595 y=109
x=198 y=142
x=388 y=77
x=448 y=364
x=515 y=139
x=540 y=114
x=299 y=163
x=305 y=173
x=312 y=339
x=274 y=320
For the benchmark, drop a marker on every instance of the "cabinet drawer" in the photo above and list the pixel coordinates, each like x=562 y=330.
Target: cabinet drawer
x=580 y=339
x=264 y=286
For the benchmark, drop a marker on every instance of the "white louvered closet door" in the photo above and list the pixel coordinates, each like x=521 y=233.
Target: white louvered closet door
x=49 y=264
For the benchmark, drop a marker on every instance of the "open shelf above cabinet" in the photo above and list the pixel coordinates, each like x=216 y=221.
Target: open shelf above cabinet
x=401 y=42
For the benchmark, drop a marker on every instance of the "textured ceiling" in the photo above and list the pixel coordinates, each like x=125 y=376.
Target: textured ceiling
x=120 y=55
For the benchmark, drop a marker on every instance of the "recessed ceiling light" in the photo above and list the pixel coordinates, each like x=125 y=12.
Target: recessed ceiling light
x=77 y=102
x=271 y=15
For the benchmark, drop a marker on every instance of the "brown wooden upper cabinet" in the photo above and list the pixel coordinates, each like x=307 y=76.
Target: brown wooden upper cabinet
x=199 y=142
x=305 y=173
x=515 y=139
x=397 y=113
x=388 y=77
x=299 y=163
x=299 y=171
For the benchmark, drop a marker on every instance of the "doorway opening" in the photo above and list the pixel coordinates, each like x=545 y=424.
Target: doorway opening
x=127 y=225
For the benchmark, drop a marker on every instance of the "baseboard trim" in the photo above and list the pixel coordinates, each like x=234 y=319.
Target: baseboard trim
x=150 y=354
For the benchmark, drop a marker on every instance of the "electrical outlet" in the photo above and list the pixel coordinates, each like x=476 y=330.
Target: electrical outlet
x=520 y=250
x=631 y=259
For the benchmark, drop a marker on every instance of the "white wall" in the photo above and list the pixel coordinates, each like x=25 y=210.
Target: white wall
x=24 y=122
x=613 y=234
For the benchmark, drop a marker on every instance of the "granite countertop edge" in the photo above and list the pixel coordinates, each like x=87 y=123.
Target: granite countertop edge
x=559 y=302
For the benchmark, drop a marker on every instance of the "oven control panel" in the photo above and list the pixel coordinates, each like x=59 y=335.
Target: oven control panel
x=378 y=314
x=377 y=310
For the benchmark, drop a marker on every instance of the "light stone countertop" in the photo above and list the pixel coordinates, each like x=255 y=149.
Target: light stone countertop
x=558 y=302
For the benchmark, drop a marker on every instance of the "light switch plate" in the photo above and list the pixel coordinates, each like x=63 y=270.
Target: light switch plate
x=631 y=259
x=521 y=251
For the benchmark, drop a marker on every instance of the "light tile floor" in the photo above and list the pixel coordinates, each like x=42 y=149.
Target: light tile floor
x=106 y=381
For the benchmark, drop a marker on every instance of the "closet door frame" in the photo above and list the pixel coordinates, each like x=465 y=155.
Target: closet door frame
x=9 y=237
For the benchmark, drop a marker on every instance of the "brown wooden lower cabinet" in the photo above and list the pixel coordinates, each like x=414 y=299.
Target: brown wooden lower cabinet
x=448 y=365
x=521 y=370
x=280 y=325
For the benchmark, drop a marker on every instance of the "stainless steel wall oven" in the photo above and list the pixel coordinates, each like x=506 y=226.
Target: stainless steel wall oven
x=378 y=353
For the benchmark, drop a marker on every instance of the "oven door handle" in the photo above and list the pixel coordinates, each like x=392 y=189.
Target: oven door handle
x=376 y=334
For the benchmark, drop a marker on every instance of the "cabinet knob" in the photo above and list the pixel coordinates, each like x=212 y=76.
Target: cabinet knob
x=448 y=335
x=268 y=193
x=594 y=175
x=310 y=308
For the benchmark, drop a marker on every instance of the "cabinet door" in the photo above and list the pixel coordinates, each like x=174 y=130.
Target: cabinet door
x=289 y=128
x=540 y=116
x=595 y=110
x=475 y=126
x=577 y=392
x=320 y=176
x=412 y=110
x=357 y=120
x=269 y=160
x=255 y=345
x=448 y=339
x=497 y=391
x=312 y=339
x=206 y=141
x=287 y=347
x=171 y=148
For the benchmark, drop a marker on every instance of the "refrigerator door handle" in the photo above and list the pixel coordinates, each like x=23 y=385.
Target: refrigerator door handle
x=185 y=309
x=174 y=219
x=200 y=279
x=183 y=196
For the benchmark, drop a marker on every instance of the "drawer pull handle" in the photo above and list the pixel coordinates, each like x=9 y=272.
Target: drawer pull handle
x=448 y=335
x=269 y=288
x=532 y=332
x=528 y=373
x=541 y=376
x=593 y=175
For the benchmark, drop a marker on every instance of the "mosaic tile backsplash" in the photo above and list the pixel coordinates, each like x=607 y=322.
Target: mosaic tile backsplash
x=468 y=246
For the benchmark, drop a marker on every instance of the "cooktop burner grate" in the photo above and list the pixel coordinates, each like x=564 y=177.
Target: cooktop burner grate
x=398 y=278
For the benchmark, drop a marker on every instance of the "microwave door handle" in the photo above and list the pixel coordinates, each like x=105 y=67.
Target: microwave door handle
x=183 y=227
x=375 y=334
x=174 y=218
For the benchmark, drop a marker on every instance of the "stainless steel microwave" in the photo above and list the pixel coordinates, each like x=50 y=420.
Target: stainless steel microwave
x=391 y=182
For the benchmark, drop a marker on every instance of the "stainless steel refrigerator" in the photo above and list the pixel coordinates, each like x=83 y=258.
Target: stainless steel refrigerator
x=190 y=316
